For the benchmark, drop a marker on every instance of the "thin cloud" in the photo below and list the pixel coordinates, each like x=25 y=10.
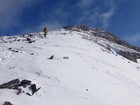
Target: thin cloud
x=82 y=12
x=85 y=3
x=10 y=11
x=108 y=14
x=92 y=14
x=133 y=39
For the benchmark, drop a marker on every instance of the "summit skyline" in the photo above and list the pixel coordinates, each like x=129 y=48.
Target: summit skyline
x=120 y=17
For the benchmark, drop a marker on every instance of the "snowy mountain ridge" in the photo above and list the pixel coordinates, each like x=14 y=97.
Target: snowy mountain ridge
x=109 y=40
x=84 y=69
x=101 y=33
x=99 y=36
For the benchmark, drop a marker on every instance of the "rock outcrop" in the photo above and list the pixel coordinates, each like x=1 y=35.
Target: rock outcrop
x=130 y=56
x=17 y=85
x=7 y=103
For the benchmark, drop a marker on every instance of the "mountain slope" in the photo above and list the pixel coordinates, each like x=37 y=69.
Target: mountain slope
x=82 y=72
x=122 y=47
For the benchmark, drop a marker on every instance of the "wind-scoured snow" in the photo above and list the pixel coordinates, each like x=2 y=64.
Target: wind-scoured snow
x=91 y=74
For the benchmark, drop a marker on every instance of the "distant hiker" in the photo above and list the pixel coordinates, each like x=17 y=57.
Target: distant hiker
x=45 y=30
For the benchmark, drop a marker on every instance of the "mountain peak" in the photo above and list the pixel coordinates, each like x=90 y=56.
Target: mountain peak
x=79 y=67
x=82 y=27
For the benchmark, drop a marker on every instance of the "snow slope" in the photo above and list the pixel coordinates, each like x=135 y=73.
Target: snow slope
x=92 y=75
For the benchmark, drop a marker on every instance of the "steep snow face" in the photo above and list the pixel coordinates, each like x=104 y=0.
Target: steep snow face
x=82 y=72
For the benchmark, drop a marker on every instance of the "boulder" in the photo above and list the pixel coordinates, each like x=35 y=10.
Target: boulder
x=25 y=83
x=16 y=84
x=65 y=57
x=13 y=84
x=7 y=103
x=51 y=57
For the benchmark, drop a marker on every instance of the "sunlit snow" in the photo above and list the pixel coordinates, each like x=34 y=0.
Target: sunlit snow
x=92 y=74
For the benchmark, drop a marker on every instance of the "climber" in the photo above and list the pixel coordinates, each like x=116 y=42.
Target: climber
x=45 y=30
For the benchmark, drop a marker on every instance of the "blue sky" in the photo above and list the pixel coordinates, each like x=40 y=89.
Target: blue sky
x=121 y=17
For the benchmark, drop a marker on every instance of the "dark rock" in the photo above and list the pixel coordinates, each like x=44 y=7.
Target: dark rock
x=31 y=41
x=16 y=84
x=13 y=50
x=51 y=57
x=130 y=56
x=25 y=83
x=108 y=47
x=34 y=89
x=28 y=39
x=31 y=36
x=65 y=57
x=9 y=48
x=32 y=53
x=13 y=84
x=28 y=94
x=18 y=40
x=7 y=103
x=77 y=28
